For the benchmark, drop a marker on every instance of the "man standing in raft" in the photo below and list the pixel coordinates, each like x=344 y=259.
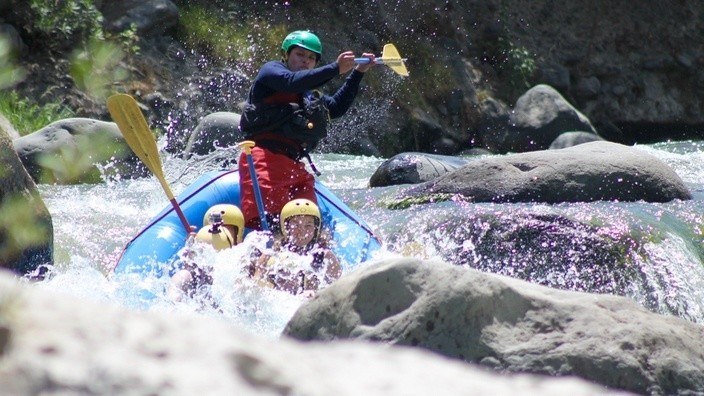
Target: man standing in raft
x=286 y=119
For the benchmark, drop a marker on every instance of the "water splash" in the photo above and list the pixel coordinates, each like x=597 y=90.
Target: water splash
x=649 y=252
x=624 y=249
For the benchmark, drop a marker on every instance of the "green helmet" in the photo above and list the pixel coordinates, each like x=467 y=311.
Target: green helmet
x=303 y=39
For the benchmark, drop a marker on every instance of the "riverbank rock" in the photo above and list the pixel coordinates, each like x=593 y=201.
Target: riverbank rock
x=412 y=168
x=67 y=151
x=26 y=228
x=12 y=38
x=596 y=171
x=54 y=343
x=469 y=57
x=8 y=128
x=151 y=17
x=215 y=130
x=569 y=139
x=509 y=325
x=538 y=118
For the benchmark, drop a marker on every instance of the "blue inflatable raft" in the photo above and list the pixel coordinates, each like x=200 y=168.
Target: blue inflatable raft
x=159 y=242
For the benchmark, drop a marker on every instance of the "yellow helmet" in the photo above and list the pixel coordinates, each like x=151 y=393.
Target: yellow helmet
x=299 y=207
x=219 y=237
x=230 y=215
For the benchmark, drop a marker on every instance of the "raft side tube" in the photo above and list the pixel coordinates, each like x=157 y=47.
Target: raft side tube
x=158 y=243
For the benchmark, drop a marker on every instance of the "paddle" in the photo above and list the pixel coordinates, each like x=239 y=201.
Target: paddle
x=389 y=57
x=247 y=147
x=129 y=118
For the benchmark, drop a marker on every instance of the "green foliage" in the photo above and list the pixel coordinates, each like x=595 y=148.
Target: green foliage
x=64 y=24
x=127 y=40
x=437 y=79
x=97 y=67
x=227 y=38
x=77 y=25
x=27 y=116
x=517 y=66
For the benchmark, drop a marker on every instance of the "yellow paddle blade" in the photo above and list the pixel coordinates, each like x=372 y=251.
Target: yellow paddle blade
x=129 y=118
x=393 y=60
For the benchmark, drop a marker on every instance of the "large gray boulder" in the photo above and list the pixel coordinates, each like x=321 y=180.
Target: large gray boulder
x=151 y=17
x=538 y=118
x=56 y=344
x=26 y=228
x=412 y=168
x=573 y=138
x=81 y=144
x=596 y=171
x=509 y=325
x=12 y=37
x=215 y=130
x=8 y=128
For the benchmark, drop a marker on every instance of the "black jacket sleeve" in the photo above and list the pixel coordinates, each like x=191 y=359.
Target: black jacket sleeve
x=340 y=102
x=276 y=77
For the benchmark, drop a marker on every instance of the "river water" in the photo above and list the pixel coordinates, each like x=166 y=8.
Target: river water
x=652 y=253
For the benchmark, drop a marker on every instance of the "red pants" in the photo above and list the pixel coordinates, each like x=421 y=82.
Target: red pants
x=280 y=179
